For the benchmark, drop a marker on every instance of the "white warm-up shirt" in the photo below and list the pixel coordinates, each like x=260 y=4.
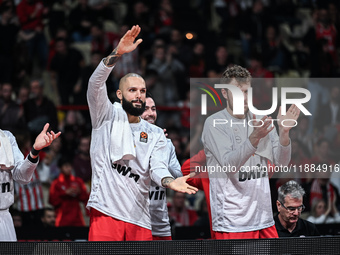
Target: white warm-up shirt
x=121 y=189
x=240 y=201
x=157 y=194
x=22 y=173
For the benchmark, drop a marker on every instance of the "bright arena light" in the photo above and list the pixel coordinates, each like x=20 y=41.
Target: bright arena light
x=189 y=36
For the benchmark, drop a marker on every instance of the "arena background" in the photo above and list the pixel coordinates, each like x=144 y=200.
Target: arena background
x=280 y=39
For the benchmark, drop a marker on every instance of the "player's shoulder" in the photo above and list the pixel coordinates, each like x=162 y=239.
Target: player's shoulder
x=170 y=144
x=8 y=134
x=217 y=115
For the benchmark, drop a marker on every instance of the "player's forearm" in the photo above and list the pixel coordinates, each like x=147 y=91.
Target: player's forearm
x=166 y=181
x=112 y=59
x=284 y=137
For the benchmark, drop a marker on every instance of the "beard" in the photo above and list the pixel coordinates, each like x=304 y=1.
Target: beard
x=130 y=109
x=230 y=105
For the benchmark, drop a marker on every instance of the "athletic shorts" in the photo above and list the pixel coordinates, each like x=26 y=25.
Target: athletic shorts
x=7 y=231
x=106 y=228
x=262 y=233
x=156 y=238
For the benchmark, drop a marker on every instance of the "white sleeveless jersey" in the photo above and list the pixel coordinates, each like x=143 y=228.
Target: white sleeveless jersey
x=22 y=173
x=158 y=206
x=239 y=201
x=121 y=189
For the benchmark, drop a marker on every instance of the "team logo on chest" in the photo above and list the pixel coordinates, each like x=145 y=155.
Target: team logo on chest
x=143 y=137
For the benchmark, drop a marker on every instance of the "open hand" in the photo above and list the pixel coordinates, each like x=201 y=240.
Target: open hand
x=180 y=184
x=289 y=119
x=127 y=42
x=45 y=138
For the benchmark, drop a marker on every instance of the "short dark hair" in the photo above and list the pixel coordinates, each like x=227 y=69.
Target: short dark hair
x=148 y=95
x=63 y=161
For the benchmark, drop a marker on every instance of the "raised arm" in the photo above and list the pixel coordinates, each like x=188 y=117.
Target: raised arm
x=126 y=44
x=97 y=98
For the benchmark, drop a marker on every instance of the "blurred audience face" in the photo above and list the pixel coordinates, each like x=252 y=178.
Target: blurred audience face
x=324 y=17
x=17 y=220
x=199 y=49
x=84 y=146
x=178 y=200
x=6 y=91
x=303 y=125
x=95 y=59
x=56 y=145
x=221 y=53
x=270 y=33
x=66 y=169
x=150 y=113
x=320 y=208
x=176 y=36
x=323 y=150
x=60 y=47
x=23 y=95
x=159 y=53
x=36 y=89
x=48 y=219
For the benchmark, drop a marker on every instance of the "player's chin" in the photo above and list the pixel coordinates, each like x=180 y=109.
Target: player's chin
x=150 y=120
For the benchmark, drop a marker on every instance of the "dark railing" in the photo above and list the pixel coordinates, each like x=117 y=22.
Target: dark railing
x=312 y=245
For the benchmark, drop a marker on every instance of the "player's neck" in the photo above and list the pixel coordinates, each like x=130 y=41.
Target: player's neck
x=240 y=116
x=133 y=119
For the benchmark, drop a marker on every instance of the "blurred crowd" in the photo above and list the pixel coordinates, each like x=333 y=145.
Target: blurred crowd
x=49 y=49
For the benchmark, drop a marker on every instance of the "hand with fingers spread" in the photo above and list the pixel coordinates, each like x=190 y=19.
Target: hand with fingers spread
x=286 y=122
x=127 y=42
x=44 y=139
x=180 y=184
x=261 y=129
x=289 y=119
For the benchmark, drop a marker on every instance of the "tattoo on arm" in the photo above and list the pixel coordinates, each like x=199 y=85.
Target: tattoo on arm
x=111 y=59
x=166 y=181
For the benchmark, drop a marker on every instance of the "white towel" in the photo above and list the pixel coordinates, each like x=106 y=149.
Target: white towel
x=264 y=148
x=6 y=153
x=122 y=146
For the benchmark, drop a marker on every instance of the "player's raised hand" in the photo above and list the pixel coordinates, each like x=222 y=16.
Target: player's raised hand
x=45 y=138
x=289 y=119
x=127 y=42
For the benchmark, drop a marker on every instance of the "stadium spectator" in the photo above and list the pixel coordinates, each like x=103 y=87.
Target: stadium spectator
x=39 y=109
x=65 y=69
x=31 y=16
x=48 y=217
x=66 y=192
x=82 y=161
x=290 y=205
x=11 y=115
x=179 y=213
